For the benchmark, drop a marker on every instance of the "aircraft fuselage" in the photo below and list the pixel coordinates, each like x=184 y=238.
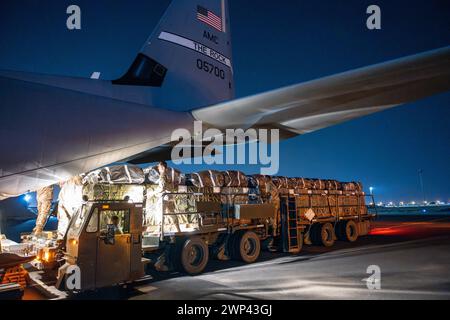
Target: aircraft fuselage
x=50 y=134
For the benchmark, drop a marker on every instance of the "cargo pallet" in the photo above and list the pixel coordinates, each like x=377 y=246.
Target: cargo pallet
x=232 y=229
x=226 y=230
x=332 y=224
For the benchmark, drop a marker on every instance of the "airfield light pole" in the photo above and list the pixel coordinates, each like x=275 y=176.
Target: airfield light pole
x=421 y=184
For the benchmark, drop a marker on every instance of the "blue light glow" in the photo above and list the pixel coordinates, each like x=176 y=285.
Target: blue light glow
x=27 y=198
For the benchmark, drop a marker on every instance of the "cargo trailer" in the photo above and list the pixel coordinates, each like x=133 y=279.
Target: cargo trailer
x=121 y=228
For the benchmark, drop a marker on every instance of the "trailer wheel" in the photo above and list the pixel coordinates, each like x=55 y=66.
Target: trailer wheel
x=349 y=231
x=194 y=255
x=323 y=234
x=247 y=246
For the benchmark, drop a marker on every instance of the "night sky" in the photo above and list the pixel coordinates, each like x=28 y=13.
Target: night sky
x=275 y=43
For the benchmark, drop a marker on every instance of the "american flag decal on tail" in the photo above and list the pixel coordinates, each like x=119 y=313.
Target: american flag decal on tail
x=209 y=18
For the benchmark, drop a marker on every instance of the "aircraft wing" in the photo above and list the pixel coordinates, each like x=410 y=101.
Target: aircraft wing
x=321 y=103
x=164 y=152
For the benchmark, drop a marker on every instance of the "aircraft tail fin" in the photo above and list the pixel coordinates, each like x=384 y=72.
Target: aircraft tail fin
x=187 y=59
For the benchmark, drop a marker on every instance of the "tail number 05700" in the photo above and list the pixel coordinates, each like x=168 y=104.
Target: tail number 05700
x=210 y=68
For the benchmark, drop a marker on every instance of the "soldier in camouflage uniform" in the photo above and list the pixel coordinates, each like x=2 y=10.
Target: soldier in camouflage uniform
x=69 y=199
x=44 y=204
x=164 y=185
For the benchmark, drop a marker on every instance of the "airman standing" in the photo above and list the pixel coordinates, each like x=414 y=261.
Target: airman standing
x=44 y=204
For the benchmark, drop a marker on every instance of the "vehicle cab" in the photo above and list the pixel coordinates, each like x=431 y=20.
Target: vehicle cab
x=104 y=241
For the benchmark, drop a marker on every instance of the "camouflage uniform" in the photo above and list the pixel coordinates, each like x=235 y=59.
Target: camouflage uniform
x=69 y=200
x=44 y=204
x=164 y=186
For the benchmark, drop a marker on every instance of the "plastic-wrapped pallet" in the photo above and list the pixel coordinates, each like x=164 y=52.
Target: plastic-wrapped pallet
x=235 y=195
x=352 y=186
x=319 y=184
x=262 y=182
x=359 y=187
x=310 y=183
x=348 y=205
x=208 y=194
x=207 y=178
x=174 y=177
x=181 y=204
x=280 y=182
x=293 y=183
x=303 y=205
x=320 y=204
x=118 y=174
x=305 y=183
x=235 y=179
x=333 y=185
x=333 y=201
x=98 y=192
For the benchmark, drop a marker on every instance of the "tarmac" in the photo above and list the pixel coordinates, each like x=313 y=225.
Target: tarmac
x=412 y=254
